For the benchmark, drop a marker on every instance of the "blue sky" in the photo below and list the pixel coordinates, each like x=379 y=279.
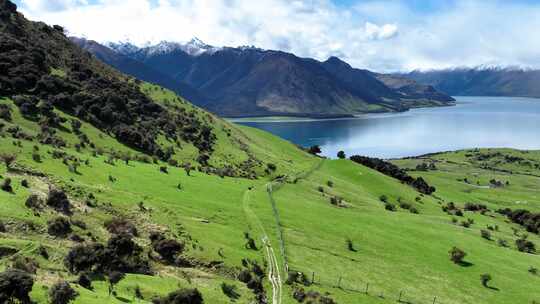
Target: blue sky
x=382 y=35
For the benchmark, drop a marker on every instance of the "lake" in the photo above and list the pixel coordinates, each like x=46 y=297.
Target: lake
x=475 y=122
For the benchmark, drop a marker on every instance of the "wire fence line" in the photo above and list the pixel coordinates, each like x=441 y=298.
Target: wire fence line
x=275 y=186
x=366 y=288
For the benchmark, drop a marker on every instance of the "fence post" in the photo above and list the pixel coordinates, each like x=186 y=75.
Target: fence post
x=367 y=287
x=313 y=277
x=434 y=300
x=339 y=283
x=400 y=294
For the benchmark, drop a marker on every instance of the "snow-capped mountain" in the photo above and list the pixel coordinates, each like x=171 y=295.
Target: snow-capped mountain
x=194 y=47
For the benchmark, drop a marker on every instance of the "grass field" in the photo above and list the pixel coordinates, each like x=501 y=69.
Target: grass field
x=393 y=252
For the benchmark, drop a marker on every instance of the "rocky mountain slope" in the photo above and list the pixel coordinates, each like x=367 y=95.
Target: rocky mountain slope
x=248 y=81
x=481 y=81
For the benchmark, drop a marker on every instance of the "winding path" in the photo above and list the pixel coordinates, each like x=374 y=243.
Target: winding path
x=274 y=275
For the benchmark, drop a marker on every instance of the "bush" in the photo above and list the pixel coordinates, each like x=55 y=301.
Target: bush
x=168 y=249
x=181 y=296
x=502 y=243
x=25 y=264
x=6 y=185
x=533 y=270
x=34 y=202
x=330 y=184
x=383 y=198
x=335 y=200
x=85 y=281
x=390 y=207
x=485 y=278
x=457 y=255
x=230 y=291
x=244 y=276
x=404 y=205
x=413 y=210
x=341 y=155
x=8 y=160
x=15 y=285
x=485 y=234
x=62 y=293
x=58 y=200
x=25 y=184
x=42 y=251
x=59 y=227
x=525 y=245
x=121 y=226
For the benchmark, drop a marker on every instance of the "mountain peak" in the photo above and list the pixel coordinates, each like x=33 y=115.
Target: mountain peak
x=333 y=60
x=123 y=47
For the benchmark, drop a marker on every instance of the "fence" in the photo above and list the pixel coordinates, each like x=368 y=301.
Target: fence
x=364 y=288
x=277 y=184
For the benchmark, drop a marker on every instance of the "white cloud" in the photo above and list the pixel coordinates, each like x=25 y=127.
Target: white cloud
x=379 y=35
x=376 y=32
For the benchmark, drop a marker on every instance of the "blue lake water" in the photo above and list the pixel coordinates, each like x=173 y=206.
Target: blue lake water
x=475 y=122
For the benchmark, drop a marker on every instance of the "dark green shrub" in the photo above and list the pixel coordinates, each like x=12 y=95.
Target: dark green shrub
x=15 y=285
x=181 y=296
x=58 y=200
x=59 y=227
x=457 y=255
x=341 y=155
x=84 y=281
x=485 y=234
x=525 y=245
x=34 y=202
x=121 y=226
x=230 y=291
x=6 y=185
x=390 y=207
x=62 y=293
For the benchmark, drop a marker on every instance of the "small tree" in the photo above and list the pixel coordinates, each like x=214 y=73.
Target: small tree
x=457 y=255
x=114 y=278
x=341 y=155
x=485 y=278
x=62 y=293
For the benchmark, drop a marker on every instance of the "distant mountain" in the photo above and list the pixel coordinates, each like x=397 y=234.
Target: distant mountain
x=482 y=81
x=248 y=81
x=136 y=68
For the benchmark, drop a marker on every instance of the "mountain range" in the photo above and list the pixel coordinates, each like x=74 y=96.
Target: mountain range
x=248 y=81
x=481 y=81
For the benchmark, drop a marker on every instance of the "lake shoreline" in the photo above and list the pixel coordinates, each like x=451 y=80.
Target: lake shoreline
x=474 y=122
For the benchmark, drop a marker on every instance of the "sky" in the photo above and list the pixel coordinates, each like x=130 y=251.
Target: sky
x=383 y=36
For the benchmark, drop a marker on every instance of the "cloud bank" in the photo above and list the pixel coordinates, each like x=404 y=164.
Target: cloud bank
x=378 y=35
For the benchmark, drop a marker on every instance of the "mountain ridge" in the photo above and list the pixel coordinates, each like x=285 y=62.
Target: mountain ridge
x=249 y=81
x=481 y=81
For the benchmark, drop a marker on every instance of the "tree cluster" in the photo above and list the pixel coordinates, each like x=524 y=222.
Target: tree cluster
x=394 y=171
